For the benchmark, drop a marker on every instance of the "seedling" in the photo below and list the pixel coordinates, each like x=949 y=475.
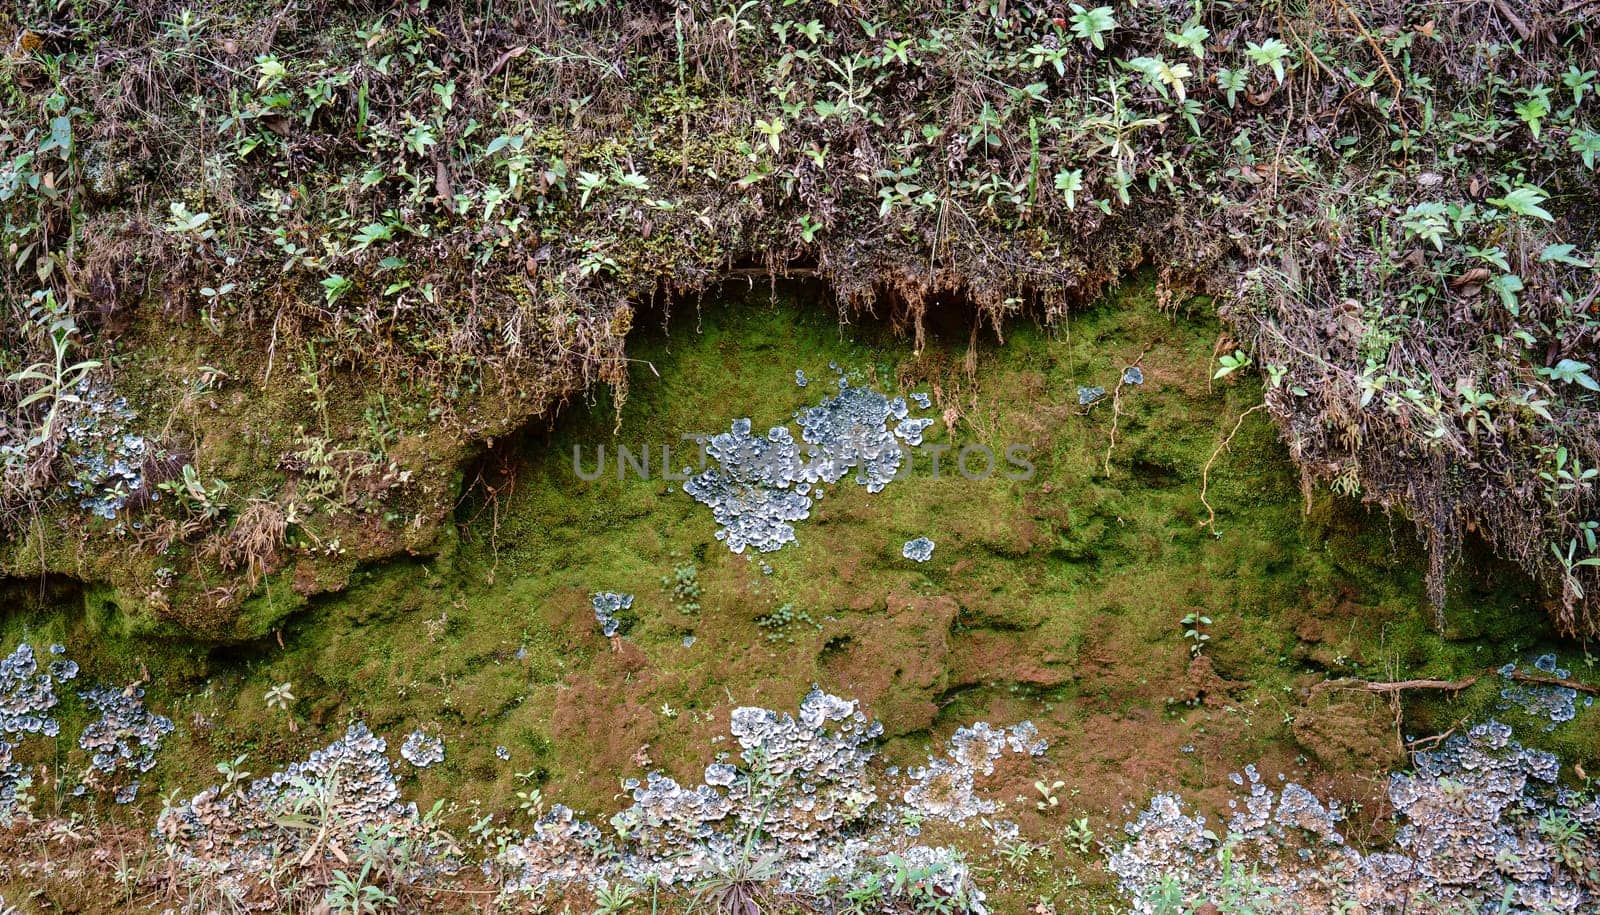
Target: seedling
x=1047 y=794
x=1194 y=626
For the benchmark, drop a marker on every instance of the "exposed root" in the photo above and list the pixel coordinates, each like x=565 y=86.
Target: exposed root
x=1116 y=401
x=1205 y=472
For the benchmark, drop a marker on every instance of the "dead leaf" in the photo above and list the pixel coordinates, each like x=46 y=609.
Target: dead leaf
x=506 y=58
x=1475 y=275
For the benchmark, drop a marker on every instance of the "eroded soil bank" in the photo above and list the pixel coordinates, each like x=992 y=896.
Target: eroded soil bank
x=1068 y=598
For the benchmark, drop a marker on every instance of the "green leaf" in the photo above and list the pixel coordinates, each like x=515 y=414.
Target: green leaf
x=1092 y=25
x=1191 y=39
x=373 y=233
x=60 y=138
x=1069 y=183
x=1507 y=285
x=1561 y=254
x=1525 y=201
x=1231 y=364
x=334 y=287
x=1587 y=144
x=1269 y=53
x=1532 y=110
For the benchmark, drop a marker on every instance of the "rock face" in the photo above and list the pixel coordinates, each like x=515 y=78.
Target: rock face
x=1348 y=731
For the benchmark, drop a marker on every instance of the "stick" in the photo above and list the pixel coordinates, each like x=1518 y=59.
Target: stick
x=1456 y=686
x=1451 y=686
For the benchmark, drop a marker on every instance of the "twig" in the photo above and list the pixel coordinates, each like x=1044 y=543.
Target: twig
x=1428 y=743
x=1449 y=686
x=1456 y=686
x=1521 y=677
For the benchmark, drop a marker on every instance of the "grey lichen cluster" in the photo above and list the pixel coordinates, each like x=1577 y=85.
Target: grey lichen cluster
x=421 y=750
x=918 y=550
x=761 y=485
x=802 y=786
x=236 y=836
x=107 y=459
x=946 y=787
x=606 y=605
x=125 y=737
x=27 y=696
x=751 y=490
x=1553 y=703
x=802 y=794
x=1474 y=834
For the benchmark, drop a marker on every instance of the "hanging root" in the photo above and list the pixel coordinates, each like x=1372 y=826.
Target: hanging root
x=1116 y=401
x=1205 y=473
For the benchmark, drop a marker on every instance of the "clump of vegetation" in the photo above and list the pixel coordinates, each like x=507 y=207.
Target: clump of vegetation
x=779 y=623
x=684 y=585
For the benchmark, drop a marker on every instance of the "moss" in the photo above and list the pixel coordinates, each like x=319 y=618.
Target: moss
x=1057 y=598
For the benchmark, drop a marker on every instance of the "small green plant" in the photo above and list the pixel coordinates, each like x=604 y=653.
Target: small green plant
x=281 y=697
x=920 y=887
x=1571 y=371
x=865 y=895
x=1092 y=24
x=739 y=887
x=1572 y=847
x=335 y=287
x=206 y=501
x=684 y=583
x=531 y=802
x=311 y=379
x=1525 y=201
x=1069 y=183
x=353 y=895
x=614 y=898
x=232 y=772
x=184 y=222
x=1016 y=853
x=1078 y=836
x=58 y=377
x=1570 y=563
x=1047 y=794
x=1194 y=629
x=1534 y=108
x=772 y=130
x=1269 y=53
x=1232 y=363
